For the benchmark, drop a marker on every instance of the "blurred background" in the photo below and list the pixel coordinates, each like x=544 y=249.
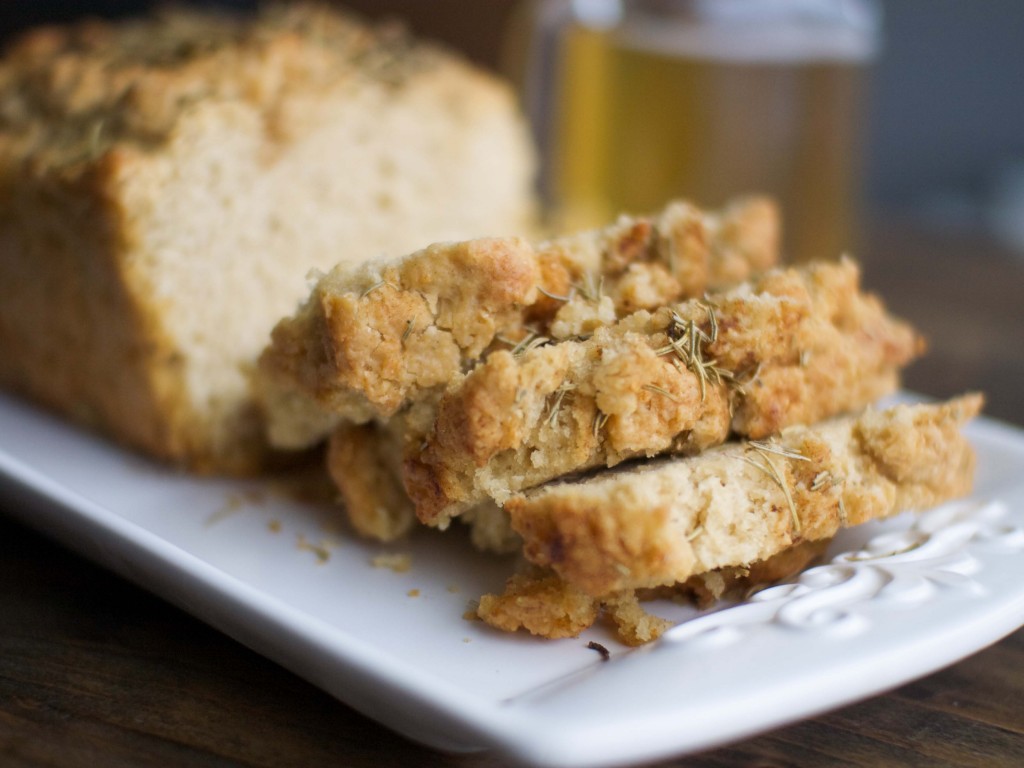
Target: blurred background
x=942 y=137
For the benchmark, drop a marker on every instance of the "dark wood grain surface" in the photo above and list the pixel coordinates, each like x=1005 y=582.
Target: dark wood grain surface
x=96 y=672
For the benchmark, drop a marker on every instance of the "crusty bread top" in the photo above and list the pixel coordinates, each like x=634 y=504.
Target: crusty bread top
x=70 y=92
x=371 y=340
x=663 y=521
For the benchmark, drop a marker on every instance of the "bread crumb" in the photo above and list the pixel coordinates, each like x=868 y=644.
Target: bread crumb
x=413 y=593
x=254 y=496
x=274 y=526
x=452 y=589
x=633 y=625
x=322 y=549
x=398 y=562
x=232 y=504
x=541 y=603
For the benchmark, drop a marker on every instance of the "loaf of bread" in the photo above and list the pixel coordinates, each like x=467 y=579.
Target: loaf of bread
x=167 y=184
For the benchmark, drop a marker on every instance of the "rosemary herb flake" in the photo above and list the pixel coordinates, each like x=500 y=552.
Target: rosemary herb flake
x=661 y=391
x=560 y=393
x=554 y=296
x=371 y=289
x=779 y=450
x=769 y=468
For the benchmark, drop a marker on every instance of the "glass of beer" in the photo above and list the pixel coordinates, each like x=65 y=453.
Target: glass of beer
x=639 y=101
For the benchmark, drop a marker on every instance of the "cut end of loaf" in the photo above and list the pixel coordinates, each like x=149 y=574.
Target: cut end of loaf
x=179 y=176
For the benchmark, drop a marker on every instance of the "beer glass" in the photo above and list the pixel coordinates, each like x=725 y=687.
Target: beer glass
x=638 y=101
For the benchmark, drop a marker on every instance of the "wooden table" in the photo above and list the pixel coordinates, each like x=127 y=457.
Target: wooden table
x=96 y=672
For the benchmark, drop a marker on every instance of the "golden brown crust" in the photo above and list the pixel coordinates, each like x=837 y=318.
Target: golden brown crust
x=541 y=603
x=369 y=342
x=746 y=242
x=633 y=625
x=662 y=522
x=793 y=347
x=648 y=261
x=516 y=423
x=843 y=353
x=364 y=465
x=361 y=461
x=81 y=89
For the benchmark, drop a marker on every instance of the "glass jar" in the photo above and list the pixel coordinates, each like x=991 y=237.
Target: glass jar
x=638 y=101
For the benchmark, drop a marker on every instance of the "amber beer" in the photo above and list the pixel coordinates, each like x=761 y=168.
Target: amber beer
x=653 y=108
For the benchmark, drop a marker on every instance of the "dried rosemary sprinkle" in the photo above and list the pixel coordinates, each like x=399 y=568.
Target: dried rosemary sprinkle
x=371 y=289
x=600 y=419
x=779 y=450
x=407 y=331
x=555 y=296
x=94 y=138
x=696 y=532
x=712 y=321
x=661 y=391
x=673 y=256
x=321 y=550
x=685 y=339
x=772 y=471
x=538 y=341
x=560 y=394
x=820 y=480
x=531 y=340
x=592 y=290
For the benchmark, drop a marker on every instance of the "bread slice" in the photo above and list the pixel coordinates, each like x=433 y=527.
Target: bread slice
x=663 y=521
x=791 y=347
x=369 y=341
x=381 y=342
x=166 y=185
x=364 y=462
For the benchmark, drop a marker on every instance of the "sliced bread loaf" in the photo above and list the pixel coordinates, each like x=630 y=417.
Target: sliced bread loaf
x=167 y=184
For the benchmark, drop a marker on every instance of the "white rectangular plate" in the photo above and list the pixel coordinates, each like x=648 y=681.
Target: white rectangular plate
x=281 y=576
